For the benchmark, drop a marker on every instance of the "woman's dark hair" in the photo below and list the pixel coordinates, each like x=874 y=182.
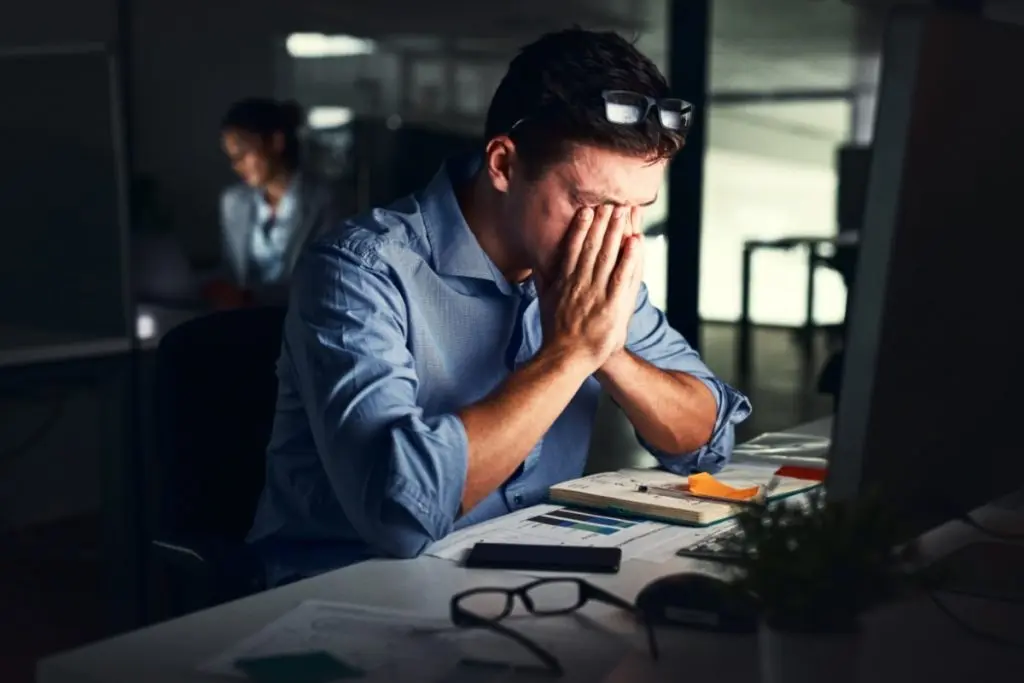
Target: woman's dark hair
x=265 y=117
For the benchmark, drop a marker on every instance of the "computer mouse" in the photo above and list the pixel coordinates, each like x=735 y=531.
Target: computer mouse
x=698 y=601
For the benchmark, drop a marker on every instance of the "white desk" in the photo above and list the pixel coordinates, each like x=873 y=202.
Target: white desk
x=907 y=642
x=20 y=346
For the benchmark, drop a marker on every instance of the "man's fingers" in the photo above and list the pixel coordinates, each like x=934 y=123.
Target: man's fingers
x=636 y=220
x=622 y=277
x=593 y=243
x=574 y=239
x=638 y=267
x=608 y=256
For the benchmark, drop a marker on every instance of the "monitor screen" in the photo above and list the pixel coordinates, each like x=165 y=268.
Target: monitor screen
x=933 y=370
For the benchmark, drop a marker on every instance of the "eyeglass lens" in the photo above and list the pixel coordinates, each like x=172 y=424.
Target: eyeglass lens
x=629 y=108
x=542 y=598
x=675 y=114
x=625 y=107
x=554 y=597
x=492 y=605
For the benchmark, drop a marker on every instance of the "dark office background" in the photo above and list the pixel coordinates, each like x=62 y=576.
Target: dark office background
x=100 y=94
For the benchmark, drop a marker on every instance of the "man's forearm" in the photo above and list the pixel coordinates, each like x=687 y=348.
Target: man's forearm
x=503 y=428
x=674 y=412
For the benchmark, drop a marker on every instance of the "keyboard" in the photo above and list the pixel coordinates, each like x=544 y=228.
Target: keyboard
x=714 y=546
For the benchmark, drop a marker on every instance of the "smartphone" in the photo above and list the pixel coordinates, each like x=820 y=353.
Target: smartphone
x=549 y=558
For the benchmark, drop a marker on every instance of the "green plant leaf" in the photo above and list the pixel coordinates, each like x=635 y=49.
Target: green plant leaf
x=817 y=566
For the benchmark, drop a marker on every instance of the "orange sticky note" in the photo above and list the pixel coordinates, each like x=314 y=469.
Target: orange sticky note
x=703 y=484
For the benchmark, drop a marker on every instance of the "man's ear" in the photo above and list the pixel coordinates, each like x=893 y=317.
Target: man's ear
x=499 y=158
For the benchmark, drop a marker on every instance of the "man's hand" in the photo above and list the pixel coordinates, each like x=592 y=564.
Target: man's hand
x=589 y=304
x=633 y=228
x=673 y=411
x=586 y=307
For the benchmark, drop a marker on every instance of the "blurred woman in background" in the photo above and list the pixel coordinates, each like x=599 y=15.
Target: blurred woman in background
x=276 y=209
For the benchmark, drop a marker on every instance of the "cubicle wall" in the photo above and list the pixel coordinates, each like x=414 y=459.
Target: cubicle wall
x=62 y=203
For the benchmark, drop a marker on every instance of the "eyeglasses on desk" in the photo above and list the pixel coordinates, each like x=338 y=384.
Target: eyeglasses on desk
x=488 y=607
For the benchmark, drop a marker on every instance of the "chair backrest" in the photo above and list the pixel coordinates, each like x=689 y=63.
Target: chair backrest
x=216 y=387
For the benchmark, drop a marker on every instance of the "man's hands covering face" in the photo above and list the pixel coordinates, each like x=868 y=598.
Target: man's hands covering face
x=588 y=302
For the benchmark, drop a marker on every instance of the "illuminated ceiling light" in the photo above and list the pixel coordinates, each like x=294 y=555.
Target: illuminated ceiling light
x=329 y=117
x=312 y=45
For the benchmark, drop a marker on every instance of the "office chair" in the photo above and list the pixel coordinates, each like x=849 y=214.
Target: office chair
x=853 y=167
x=216 y=389
x=830 y=378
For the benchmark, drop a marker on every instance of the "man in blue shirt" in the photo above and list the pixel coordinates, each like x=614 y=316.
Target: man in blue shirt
x=443 y=357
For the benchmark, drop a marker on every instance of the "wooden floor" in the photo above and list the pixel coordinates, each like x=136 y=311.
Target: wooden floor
x=49 y=577
x=782 y=387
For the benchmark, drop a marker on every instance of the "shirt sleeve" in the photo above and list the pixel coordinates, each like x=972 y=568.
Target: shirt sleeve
x=397 y=473
x=650 y=337
x=231 y=266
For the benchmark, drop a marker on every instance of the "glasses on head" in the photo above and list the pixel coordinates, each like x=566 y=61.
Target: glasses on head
x=487 y=607
x=630 y=108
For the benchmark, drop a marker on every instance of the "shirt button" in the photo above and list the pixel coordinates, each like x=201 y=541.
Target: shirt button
x=517 y=499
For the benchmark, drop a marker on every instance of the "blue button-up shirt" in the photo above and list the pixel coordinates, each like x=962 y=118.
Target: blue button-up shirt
x=272 y=234
x=397 y=320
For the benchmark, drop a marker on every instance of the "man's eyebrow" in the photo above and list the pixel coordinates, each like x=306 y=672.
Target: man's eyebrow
x=596 y=199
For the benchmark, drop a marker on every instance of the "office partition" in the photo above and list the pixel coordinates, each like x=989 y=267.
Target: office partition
x=64 y=203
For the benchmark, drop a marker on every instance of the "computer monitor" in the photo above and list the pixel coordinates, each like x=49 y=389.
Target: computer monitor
x=853 y=163
x=64 y=201
x=932 y=383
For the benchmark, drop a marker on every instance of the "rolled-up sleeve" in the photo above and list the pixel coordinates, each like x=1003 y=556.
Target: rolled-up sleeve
x=397 y=473
x=651 y=338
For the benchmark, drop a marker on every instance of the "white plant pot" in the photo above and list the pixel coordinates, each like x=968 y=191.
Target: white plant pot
x=808 y=657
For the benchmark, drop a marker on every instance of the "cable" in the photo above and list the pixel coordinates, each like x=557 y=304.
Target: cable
x=943 y=505
x=36 y=435
x=969 y=628
x=966 y=518
x=1003 y=599
x=932 y=586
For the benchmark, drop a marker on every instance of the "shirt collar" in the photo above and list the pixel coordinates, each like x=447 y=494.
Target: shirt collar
x=285 y=208
x=455 y=248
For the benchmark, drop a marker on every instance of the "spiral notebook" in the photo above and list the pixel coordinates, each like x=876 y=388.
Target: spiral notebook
x=623 y=492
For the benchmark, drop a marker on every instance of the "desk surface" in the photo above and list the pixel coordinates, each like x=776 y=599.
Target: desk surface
x=26 y=346
x=21 y=346
x=901 y=640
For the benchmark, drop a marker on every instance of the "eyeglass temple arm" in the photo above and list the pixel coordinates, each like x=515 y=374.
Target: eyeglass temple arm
x=463 y=617
x=539 y=652
x=603 y=595
x=616 y=601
